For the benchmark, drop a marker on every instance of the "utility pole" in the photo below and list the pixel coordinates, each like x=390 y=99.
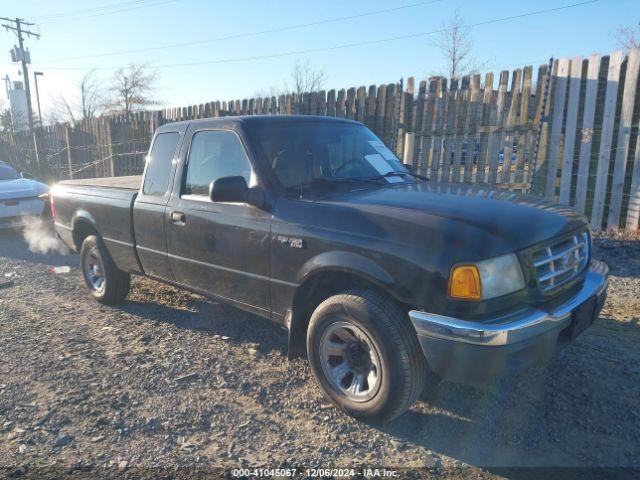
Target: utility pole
x=35 y=79
x=7 y=84
x=19 y=31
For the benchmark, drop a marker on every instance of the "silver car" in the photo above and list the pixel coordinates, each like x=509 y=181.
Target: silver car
x=19 y=197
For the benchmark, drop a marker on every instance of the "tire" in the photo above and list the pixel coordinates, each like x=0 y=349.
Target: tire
x=107 y=284
x=383 y=335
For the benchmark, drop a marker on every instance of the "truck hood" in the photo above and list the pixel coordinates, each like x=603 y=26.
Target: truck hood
x=21 y=188
x=489 y=222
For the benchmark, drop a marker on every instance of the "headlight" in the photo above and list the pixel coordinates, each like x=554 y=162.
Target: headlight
x=486 y=279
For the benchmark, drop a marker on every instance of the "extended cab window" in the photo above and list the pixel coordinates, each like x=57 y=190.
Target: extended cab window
x=214 y=154
x=156 y=180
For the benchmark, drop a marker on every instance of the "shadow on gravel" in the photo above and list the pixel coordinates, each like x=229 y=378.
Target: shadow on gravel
x=576 y=411
x=211 y=318
x=622 y=255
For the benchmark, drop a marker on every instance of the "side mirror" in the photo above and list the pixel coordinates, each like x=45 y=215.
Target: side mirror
x=228 y=189
x=234 y=189
x=26 y=175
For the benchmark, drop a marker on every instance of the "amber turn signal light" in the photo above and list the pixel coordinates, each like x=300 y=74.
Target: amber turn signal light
x=464 y=283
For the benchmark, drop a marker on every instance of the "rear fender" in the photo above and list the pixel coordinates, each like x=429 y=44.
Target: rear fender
x=83 y=216
x=80 y=221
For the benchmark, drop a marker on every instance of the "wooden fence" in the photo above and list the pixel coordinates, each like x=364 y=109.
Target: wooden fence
x=570 y=133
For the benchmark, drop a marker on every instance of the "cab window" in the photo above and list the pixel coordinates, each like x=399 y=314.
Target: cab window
x=159 y=164
x=214 y=154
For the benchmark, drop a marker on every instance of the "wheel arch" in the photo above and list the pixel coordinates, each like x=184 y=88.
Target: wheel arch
x=327 y=275
x=83 y=225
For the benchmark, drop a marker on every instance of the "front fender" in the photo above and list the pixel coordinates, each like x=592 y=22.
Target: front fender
x=345 y=262
x=353 y=264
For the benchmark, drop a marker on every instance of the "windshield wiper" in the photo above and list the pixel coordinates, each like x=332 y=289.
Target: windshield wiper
x=396 y=173
x=351 y=180
x=329 y=181
x=334 y=181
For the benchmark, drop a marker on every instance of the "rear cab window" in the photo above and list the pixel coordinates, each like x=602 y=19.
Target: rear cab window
x=159 y=164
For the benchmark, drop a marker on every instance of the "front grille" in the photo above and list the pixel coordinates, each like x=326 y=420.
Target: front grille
x=561 y=262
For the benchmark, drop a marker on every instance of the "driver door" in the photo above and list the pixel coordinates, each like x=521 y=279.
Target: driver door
x=219 y=248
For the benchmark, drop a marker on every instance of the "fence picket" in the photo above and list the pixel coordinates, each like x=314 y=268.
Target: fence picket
x=437 y=138
x=380 y=110
x=559 y=96
x=566 y=174
x=485 y=118
x=470 y=127
x=523 y=125
x=633 y=212
x=370 y=107
x=606 y=139
x=495 y=134
x=539 y=142
x=624 y=137
x=512 y=117
x=586 y=133
x=426 y=138
x=458 y=135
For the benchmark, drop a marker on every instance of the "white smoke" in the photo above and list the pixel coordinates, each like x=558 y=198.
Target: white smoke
x=41 y=236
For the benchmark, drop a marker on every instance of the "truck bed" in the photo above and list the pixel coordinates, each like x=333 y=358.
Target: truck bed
x=131 y=182
x=106 y=206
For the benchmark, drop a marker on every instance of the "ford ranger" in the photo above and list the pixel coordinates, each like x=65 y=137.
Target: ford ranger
x=383 y=279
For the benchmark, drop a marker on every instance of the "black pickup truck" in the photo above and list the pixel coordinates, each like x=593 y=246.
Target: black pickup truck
x=383 y=279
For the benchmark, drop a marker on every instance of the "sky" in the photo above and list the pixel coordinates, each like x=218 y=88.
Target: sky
x=225 y=49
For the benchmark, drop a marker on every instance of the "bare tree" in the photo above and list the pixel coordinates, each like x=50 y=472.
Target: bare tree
x=628 y=37
x=6 y=125
x=61 y=111
x=10 y=118
x=133 y=88
x=456 y=46
x=90 y=101
x=92 y=95
x=306 y=78
x=268 y=92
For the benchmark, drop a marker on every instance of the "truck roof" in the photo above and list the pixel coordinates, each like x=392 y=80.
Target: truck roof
x=257 y=119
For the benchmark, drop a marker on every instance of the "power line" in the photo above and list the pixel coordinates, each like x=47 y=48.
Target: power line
x=245 y=35
x=81 y=17
x=345 y=45
x=73 y=13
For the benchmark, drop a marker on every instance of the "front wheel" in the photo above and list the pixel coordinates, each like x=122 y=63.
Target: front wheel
x=107 y=284
x=365 y=355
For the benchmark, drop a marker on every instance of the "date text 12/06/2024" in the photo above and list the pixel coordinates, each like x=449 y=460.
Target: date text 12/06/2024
x=314 y=472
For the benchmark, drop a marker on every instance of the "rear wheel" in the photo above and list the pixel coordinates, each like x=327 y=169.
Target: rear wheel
x=365 y=355
x=106 y=283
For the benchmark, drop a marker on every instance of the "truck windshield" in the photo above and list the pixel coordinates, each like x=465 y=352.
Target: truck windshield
x=317 y=154
x=8 y=173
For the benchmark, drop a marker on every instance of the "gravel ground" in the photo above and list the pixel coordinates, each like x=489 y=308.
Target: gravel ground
x=170 y=379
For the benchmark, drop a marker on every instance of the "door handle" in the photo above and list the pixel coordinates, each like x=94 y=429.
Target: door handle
x=178 y=218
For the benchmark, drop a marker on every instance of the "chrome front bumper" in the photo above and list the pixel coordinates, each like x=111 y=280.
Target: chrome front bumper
x=455 y=347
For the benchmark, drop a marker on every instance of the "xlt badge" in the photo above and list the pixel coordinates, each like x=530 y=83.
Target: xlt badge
x=293 y=242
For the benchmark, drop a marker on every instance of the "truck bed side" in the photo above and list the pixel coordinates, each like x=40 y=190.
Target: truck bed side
x=83 y=206
x=131 y=182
